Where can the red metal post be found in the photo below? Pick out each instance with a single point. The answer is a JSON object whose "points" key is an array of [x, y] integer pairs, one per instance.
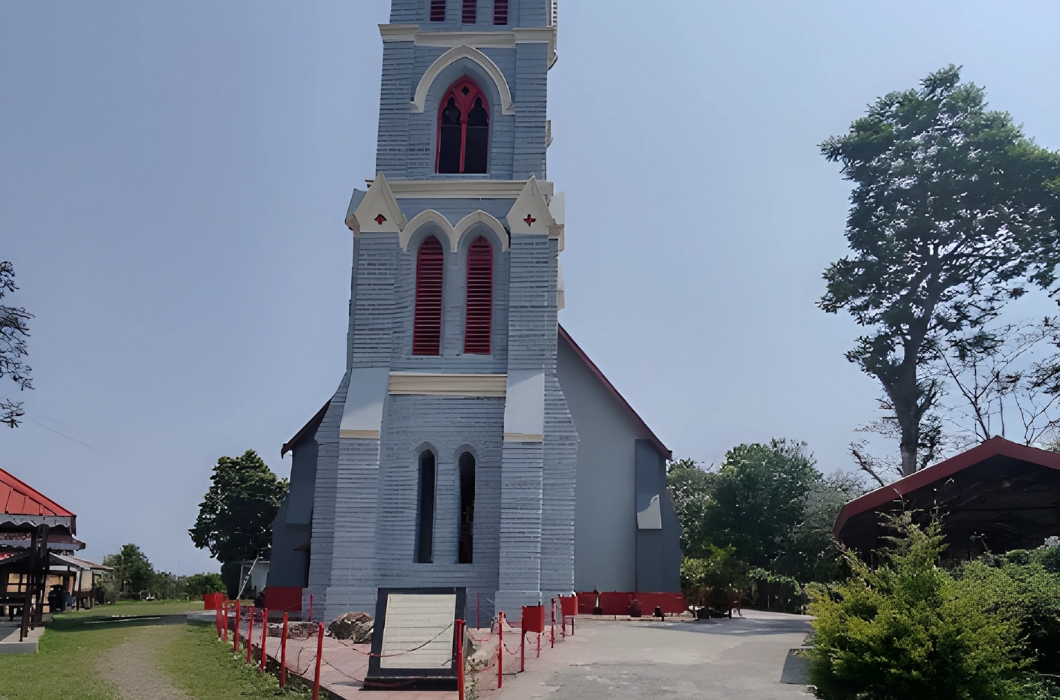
{"points": [[235, 644], [522, 648], [552, 634], [283, 653], [460, 659], [264, 635], [250, 633], [320, 653], [224, 622], [217, 620], [500, 650]]}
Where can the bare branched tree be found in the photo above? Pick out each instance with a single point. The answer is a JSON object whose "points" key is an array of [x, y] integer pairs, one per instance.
{"points": [[1008, 382], [13, 333]]}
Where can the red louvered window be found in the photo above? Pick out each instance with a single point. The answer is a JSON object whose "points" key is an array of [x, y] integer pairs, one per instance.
{"points": [[468, 16], [437, 10], [463, 129], [479, 323], [427, 324], [500, 12]]}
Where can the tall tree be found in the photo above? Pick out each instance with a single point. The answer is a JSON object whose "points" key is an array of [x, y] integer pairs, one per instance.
{"points": [[235, 517], [13, 333], [953, 213], [690, 485], [758, 497]]}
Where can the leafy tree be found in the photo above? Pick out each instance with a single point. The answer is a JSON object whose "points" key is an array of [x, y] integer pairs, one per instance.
{"points": [[690, 485], [715, 579], [13, 334], [235, 517], [198, 585], [910, 629], [953, 213], [132, 571], [812, 553], [758, 498]]}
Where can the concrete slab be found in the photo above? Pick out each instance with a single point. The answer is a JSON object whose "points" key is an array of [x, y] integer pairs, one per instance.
{"points": [[9, 643]]}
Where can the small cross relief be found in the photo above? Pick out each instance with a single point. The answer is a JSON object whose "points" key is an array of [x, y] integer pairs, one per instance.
{"points": [[529, 220], [380, 219]]}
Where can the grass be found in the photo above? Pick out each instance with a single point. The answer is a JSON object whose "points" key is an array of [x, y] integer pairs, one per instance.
{"points": [[207, 669], [70, 650], [65, 665]]}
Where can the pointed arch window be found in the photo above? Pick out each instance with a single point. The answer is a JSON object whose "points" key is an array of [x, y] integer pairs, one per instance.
{"points": [[425, 509], [466, 547], [427, 321], [478, 324], [463, 129]]}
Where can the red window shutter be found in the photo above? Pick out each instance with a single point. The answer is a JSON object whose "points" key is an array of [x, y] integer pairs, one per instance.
{"points": [[427, 324], [469, 15], [479, 323], [437, 10], [500, 12]]}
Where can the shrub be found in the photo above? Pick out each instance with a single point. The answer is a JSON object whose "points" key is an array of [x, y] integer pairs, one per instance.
{"points": [[200, 584], [909, 629], [713, 581]]}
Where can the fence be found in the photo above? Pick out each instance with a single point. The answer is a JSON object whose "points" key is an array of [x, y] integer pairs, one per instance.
{"points": [[541, 628]]}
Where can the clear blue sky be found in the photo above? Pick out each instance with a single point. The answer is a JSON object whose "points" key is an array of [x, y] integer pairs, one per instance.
{"points": [[174, 177]]}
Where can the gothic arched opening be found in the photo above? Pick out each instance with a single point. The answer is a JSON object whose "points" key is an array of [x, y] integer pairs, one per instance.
{"points": [[463, 129], [425, 509], [465, 552]]}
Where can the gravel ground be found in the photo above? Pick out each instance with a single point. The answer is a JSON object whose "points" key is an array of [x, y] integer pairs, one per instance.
{"points": [[134, 666]]}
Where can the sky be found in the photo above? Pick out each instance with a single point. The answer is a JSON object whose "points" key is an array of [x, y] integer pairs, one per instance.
{"points": [[174, 178]]}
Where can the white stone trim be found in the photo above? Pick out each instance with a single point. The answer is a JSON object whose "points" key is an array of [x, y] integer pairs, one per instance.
{"points": [[422, 384], [480, 217], [452, 188], [452, 233], [533, 204], [398, 32], [538, 35], [479, 40], [523, 437], [378, 200], [452, 56], [359, 434]]}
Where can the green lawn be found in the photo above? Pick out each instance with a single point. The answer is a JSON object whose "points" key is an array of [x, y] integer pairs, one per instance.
{"points": [[71, 648]]}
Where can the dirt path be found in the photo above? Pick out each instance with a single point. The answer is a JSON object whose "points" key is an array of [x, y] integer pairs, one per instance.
{"points": [[135, 665]]}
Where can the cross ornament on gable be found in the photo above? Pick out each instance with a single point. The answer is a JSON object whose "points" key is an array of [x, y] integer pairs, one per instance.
{"points": [[380, 219], [529, 220]]}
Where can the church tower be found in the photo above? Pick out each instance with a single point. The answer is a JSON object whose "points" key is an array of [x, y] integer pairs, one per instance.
{"points": [[447, 456]]}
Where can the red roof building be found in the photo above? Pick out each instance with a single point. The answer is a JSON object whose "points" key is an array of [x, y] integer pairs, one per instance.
{"points": [[23, 509], [995, 497]]}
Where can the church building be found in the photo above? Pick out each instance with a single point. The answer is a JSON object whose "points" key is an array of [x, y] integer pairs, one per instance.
{"points": [[471, 442]]}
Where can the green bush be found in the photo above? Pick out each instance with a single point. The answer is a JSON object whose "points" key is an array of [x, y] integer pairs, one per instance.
{"points": [[910, 629], [200, 584], [713, 581]]}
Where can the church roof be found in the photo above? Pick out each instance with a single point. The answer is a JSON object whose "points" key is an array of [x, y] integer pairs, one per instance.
{"points": [[663, 449]]}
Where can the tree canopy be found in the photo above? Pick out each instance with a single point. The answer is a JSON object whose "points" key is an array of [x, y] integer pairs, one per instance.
{"points": [[132, 570], [953, 213], [13, 333], [235, 517]]}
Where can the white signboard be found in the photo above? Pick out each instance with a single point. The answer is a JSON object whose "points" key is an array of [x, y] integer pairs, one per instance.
{"points": [[418, 631]]}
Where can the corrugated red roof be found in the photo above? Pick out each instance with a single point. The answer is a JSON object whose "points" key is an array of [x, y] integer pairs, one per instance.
{"points": [[18, 498], [991, 448]]}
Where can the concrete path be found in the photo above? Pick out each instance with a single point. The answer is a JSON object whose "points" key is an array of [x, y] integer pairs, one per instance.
{"points": [[716, 659]]}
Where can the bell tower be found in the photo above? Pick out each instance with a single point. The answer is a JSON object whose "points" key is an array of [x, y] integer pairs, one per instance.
{"points": [[447, 456]]}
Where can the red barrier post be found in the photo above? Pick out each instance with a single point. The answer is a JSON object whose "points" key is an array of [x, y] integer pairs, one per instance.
{"points": [[235, 644], [539, 645], [250, 634], [460, 659], [500, 650], [522, 650], [320, 653], [217, 620], [264, 635], [552, 633], [283, 653], [224, 622]]}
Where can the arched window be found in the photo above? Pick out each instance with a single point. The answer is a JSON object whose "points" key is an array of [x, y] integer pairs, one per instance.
{"points": [[425, 510], [479, 320], [463, 129], [466, 549], [427, 323]]}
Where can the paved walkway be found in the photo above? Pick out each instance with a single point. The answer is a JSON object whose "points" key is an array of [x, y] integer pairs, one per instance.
{"points": [[608, 660], [717, 659]]}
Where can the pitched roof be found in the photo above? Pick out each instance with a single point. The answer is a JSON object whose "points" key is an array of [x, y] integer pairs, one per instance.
{"points": [[18, 498], [310, 428], [993, 447], [307, 430], [663, 449]]}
